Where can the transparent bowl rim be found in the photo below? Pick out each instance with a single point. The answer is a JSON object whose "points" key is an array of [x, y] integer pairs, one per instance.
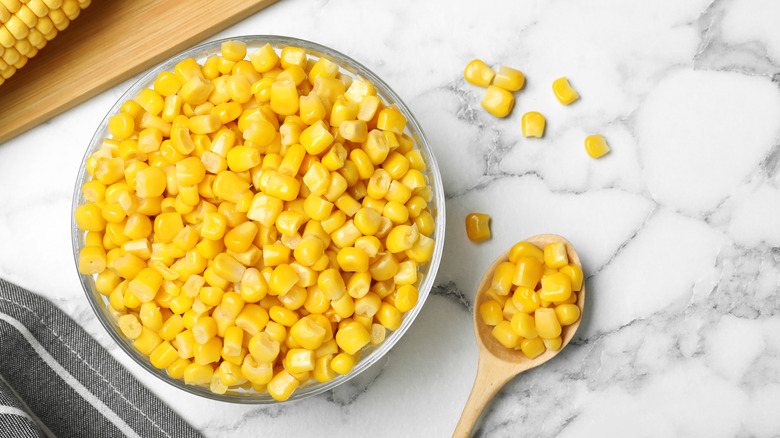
{"points": [[413, 127]]}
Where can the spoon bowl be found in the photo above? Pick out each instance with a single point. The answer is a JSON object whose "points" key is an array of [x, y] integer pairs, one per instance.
{"points": [[497, 363]]}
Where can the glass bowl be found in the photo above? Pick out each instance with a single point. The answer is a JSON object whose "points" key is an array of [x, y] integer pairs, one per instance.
{"points": [[348, 66]]}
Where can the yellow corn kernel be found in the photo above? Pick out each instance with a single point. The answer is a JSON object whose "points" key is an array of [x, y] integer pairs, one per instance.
{"points": [[109, 170], [293, 56], [353, 130], [171, 327], [553, 344], [498, 101], [332, 284], [284, 97], [150, 182], [322, 369], [525, 249], [256, 371], [391, 119], [384, 267], [198, 374], [509, 78], [317, 179], [210, 352], [556, 287], [532, 347], [282, 385], [338, 185], [177, 368], [533, 124], [130, 326], [401, 238], [478, 226], [342, 110], [334, 159], [275, 255], [389, 316], [229, 186], [491, 312], [185, 343], [265, 209], [299, 360], [574, 273], [166, 84], [204, 124], [376, 146], [150, 316], [264, 58], [282, 186], [316, 138], [505, 335], [121, 126], [204, 329], [288, 222], [564, 91], [317, 208], [282, 279], [309, 250], [529, 272], [164, 355], [92, 260], [231, 346], [422, 250], [151, 101], [406, 298], [524, 325], [307, 333], [547, 324], [227, 267], [478, 73], [146, 284], [181, 304], [89, 217], [196, 90], [596, 146], [263, 347], [214, 226], [352, 260], [147, 341], [252, 318], [567, 314], [555, 255], [292, 160], [352, 337], [502, 278], [311, 109], [343, 363], [525, 300]]}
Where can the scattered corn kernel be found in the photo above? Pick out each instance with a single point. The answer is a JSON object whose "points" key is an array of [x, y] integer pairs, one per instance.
{"points": [[596, 146], [478, 73], [533, 124], [498, 101], [478, 226], [564, 91]]}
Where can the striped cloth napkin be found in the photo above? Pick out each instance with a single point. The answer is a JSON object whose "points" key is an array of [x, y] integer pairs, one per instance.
{"points": [[56, 380]]}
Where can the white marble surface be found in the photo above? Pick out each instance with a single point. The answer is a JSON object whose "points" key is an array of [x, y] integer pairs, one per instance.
{"points": [[677, 226]]}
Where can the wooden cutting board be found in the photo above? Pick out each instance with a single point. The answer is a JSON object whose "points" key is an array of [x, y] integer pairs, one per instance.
{"points": [[112, 40]]}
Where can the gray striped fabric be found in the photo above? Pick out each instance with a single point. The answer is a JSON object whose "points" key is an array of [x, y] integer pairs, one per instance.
{"points": [[56, 380]]}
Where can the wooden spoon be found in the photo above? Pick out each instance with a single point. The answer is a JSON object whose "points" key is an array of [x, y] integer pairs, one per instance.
{"points": [[498, 364]]}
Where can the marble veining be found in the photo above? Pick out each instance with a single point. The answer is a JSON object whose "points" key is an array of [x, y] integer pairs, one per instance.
{"points": [[677, 227]]}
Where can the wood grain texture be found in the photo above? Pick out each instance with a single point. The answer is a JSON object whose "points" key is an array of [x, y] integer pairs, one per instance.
{"points": [[112, 40]]}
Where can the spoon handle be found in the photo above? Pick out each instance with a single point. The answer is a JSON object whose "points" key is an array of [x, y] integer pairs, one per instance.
{"points": [[492, 374]]}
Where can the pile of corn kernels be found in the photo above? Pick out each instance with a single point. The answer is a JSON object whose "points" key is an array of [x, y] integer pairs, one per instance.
{"points": [[256, 223]]}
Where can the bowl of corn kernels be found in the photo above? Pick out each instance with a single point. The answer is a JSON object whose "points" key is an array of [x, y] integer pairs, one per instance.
{"points": [[258, 219]]}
